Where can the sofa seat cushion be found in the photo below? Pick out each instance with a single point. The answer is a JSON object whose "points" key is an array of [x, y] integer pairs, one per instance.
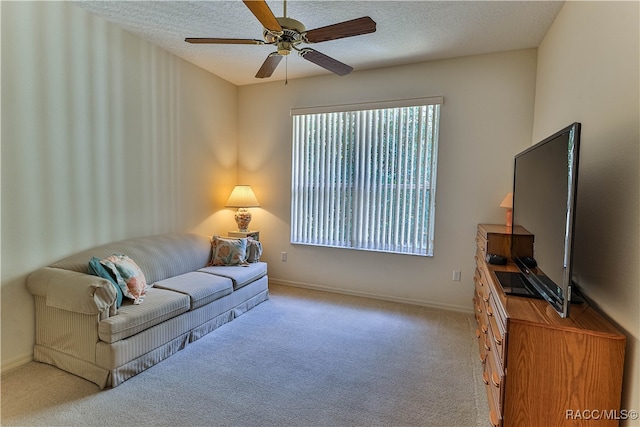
{"points": [[240, 275], [159, 305], [201, 288]]}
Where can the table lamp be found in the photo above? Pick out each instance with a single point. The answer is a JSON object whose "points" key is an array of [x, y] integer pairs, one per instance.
{"points": [[507, 203], [242, 197]]}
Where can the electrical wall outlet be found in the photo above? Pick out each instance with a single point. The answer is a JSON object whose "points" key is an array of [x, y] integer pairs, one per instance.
{"points": [[283, 256], [456, 275]]}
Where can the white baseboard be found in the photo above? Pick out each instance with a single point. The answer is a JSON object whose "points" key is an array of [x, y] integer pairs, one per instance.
{"points": [[449, 307], [16, 362]]}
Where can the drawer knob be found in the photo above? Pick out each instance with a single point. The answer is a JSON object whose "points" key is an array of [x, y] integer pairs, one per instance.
{"points": [[495, 379]]}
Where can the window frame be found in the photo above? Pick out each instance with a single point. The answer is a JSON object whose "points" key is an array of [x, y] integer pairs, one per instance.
{"points": [[430, 165]]}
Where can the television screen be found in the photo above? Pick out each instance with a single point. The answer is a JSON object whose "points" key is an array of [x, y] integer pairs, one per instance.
{"points": [[544, 194]]}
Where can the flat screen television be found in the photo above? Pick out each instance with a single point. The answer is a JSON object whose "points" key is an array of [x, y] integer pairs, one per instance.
{"points": [[544, 203]]}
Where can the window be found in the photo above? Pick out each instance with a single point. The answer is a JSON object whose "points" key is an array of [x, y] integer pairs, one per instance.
{"points": [[364, 176]]}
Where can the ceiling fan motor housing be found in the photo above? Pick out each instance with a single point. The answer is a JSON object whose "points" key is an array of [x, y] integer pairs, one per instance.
{"points": [[291, 35]]}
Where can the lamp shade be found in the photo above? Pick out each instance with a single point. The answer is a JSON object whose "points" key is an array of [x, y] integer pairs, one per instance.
{"points": [[242, 196], [507, 202]]}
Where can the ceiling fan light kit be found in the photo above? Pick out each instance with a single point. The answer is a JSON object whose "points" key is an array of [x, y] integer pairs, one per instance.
{"points": [[286, 34]]}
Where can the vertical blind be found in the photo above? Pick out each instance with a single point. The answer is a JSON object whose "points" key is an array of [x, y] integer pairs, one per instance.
{"points": [[365, 178]]}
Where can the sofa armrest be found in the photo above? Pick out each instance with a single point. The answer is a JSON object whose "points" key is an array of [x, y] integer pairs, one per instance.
{"points": [[73, 291]]}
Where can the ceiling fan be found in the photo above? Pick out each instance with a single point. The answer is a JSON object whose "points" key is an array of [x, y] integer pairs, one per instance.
{"points": [[286, 34]]}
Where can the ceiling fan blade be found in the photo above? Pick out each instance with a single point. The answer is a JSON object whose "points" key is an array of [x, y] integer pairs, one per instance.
{"points": [[261, 10], [269, 65], [355, 27], [206, 40], [326, 62]]}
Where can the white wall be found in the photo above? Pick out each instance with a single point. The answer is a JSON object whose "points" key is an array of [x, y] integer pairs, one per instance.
{"points": [[588, 71], [486, 118], [104, 137]]}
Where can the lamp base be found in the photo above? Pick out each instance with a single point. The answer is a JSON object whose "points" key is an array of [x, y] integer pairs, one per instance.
{"points": [[509, 218], [243, 218]]}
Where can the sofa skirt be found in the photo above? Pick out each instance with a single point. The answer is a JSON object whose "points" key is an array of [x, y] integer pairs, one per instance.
{"points": [[130, 369], [243, 301], [66, 362]]}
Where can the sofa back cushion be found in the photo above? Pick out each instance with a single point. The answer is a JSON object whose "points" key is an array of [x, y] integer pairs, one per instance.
{"points": [[159, 257]]}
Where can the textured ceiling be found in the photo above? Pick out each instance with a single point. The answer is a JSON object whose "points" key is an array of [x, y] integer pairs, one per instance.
{"points": [[407, 31]]}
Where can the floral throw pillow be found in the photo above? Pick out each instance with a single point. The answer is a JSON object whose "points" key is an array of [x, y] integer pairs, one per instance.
{"points": [[228, 251], [128, 275]]}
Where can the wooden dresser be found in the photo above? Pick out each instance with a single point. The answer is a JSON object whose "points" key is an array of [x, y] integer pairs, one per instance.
{"points": [[540, 369]]}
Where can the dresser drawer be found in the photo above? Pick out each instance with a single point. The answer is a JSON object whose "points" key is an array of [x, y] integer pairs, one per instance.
{"points": [[481, 242], [482, 345], [496, 341], [496, 330], [496, 379], [482, 287], [495, 412], [480, 258]]}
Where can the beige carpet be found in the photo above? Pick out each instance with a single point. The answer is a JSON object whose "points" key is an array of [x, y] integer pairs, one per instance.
{"points": [[303, 358]]}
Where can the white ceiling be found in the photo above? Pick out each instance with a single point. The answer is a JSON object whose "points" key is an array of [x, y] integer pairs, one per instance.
{"points": [[407, 31]]}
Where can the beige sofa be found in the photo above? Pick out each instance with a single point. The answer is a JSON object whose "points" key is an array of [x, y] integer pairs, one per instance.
{"points": [[80, 330]]}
